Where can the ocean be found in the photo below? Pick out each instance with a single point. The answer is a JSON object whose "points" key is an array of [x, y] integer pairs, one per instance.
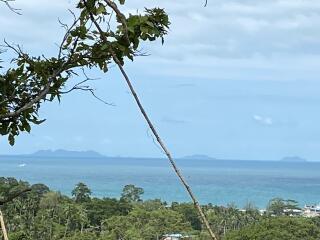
{"points": [[219, 182]]}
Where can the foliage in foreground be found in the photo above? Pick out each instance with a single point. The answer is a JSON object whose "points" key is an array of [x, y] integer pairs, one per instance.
{"points": [[47, 215], [99, 35]]}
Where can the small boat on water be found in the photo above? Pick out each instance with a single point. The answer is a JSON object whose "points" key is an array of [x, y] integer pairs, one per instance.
{"points": [[22, 165]]}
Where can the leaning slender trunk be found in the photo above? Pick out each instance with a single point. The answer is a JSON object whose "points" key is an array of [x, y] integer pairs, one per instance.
{"points": [[3, 227], [150, 124]]}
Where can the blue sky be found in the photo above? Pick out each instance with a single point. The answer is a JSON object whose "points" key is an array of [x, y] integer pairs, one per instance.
{"points": [[236, 80]]}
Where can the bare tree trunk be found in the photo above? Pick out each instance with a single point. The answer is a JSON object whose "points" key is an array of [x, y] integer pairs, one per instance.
{"points": [[3, 227], [154, 131], [164, 148]]}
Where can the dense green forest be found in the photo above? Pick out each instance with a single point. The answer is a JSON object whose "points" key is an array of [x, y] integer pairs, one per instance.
{"points": [[40, 213]]}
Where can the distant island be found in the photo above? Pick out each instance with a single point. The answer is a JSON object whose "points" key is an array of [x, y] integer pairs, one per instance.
{"points": [[199, 157], [89, 154], [62, 153], [67, 154], [293, 159]]}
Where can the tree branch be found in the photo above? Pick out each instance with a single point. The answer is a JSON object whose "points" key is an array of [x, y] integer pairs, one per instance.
{"points": [[121, 17], [13, 196], [68, 30], [38, 98]]}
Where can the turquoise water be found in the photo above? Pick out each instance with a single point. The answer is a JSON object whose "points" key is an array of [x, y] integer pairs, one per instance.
{"points": [[215, 181]]}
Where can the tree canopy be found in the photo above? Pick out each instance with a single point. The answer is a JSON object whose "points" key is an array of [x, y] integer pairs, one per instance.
{"points": [[279, 228], [132, 193], [81, 193], [279, 206]]}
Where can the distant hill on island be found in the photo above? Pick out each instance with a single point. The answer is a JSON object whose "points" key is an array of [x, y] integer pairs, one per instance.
{"points": [[293, 159], [67, 154], [199, 157]]}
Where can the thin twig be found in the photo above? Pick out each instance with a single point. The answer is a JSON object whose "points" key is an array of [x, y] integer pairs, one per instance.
{"points": [[150, 135], [15, 10], [16, 49], [108, 22], [80, 86], [68, 29]]}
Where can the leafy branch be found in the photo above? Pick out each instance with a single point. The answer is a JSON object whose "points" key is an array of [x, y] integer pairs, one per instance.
{"points": [[31, 81]]}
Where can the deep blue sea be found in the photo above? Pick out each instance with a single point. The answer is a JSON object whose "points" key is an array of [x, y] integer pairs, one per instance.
{"points": [[219, 182]]}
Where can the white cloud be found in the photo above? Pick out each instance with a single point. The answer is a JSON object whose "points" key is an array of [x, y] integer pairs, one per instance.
{"points": [[263, 120], [233, 39]]}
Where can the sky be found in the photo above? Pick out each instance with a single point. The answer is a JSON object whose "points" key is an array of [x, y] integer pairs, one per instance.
{"points": [[233, 80]]}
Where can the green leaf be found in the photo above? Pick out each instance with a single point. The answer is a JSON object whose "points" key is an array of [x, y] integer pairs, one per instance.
{"points": [[150, 24], [11, 139], [104, 46], [36, 121], [105, 68], [101, 9], [27, 127], [121, 2]]}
